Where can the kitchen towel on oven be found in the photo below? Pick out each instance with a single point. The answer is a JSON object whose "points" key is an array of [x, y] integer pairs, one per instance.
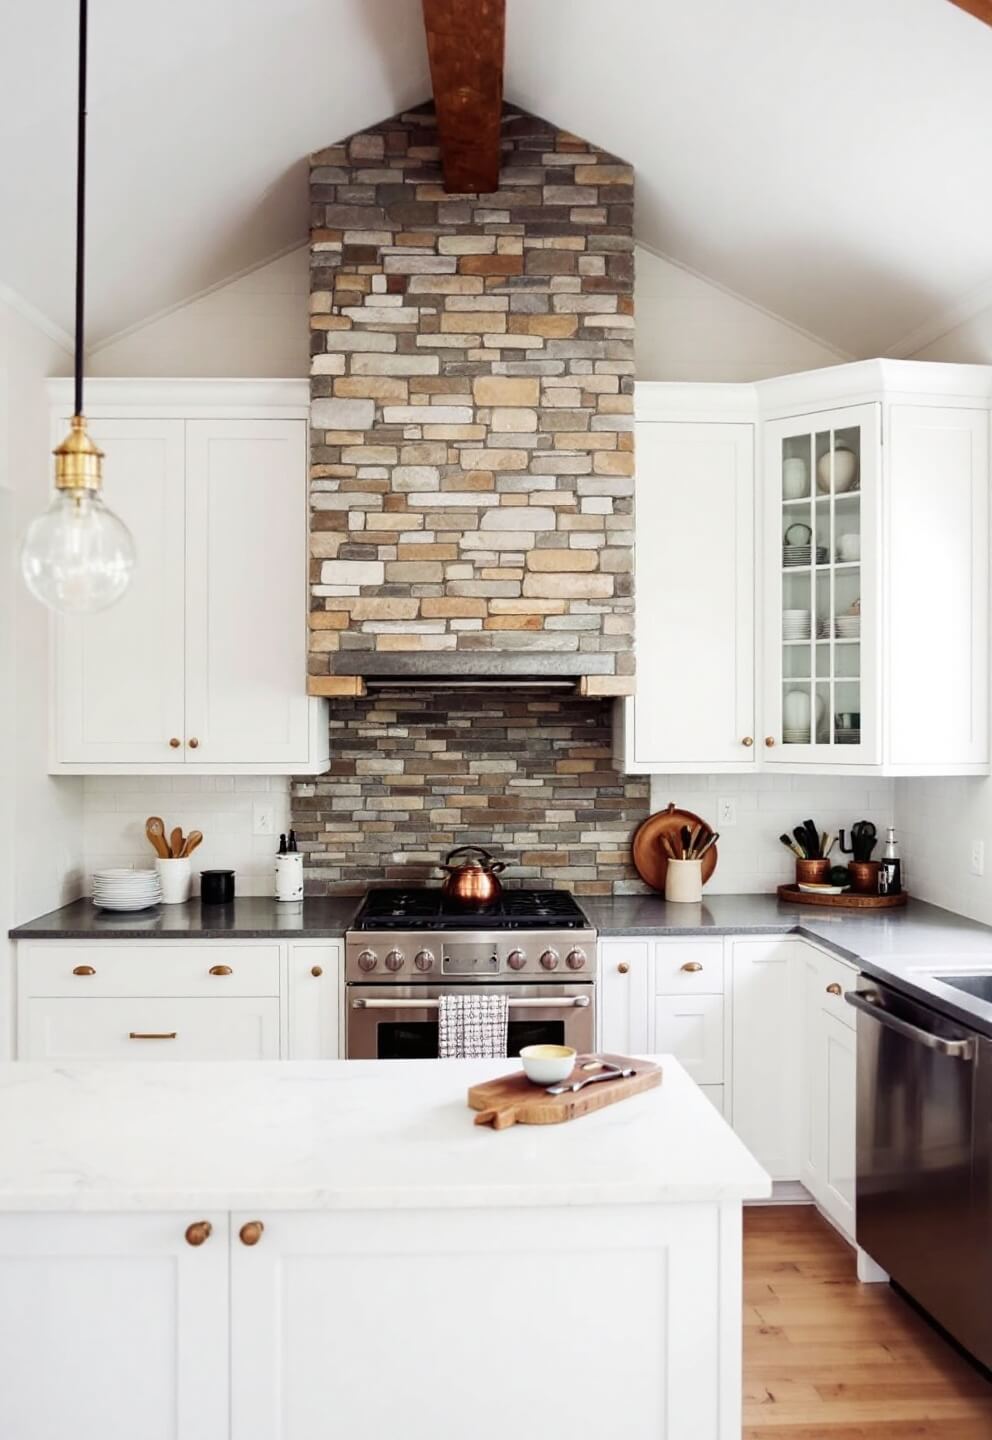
{"points": [[472, 1027]]}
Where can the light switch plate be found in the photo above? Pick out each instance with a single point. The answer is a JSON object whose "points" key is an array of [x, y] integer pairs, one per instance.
{"points": [[978, 857], [726, 813], [263, 818]]}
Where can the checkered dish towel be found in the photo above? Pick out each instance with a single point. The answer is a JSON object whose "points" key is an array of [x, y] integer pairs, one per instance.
{"points": [[472, 1027]]}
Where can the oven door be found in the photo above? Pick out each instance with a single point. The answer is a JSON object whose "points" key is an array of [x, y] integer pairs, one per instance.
{"points": [[399, 1022]]}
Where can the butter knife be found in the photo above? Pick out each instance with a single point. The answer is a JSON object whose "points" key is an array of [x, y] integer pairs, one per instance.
{"points": [[576, 1085]]}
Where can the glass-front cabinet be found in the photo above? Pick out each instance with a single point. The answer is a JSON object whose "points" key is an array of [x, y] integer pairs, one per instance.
{"points": [[822, 597]]}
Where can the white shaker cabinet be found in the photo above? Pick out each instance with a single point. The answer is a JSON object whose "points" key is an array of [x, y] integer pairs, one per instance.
{"points": [[624, 988], [829, 1077], [765, 1106], [131, 1310], [202, 665]]}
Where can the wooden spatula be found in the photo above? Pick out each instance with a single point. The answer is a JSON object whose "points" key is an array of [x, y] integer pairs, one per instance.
{"points": [[155, 830], [176, 842], [192, 840]]}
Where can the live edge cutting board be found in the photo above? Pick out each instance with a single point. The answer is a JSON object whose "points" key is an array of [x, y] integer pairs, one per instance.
{"points": [[514, 1100]]}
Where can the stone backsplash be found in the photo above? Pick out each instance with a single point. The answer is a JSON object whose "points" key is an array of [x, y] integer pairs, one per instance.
{"points": [[412, 776], [472, 396]]}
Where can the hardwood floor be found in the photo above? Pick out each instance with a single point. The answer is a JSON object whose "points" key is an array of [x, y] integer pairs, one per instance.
{"points": [[828, 1359]]}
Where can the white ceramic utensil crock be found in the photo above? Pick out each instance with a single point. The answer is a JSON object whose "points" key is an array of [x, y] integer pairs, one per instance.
{"points": [[176, 878], [684, 881]]}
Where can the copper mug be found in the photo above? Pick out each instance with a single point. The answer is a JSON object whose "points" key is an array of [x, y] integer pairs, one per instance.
{"points": [[812, 872], [864, 876]]}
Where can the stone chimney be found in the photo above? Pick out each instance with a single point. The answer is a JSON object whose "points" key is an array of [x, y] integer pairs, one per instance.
{"points": [[472, 411]]}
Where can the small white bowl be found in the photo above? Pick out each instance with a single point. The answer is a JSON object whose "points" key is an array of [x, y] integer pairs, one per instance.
{"points": [[547, 1064]]}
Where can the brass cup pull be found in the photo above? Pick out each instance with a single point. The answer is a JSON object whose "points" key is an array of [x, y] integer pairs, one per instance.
{"points": [[193, 744], [834, 989], [316, 971], [748, 741], [251, 1232], [83, 970], [198, 1232], [151, 1034], [175, 742], [221, 970], [691, 967], [769, 741], [623, 967]]}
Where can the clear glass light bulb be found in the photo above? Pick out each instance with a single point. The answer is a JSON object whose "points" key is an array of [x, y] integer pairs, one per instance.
{"points": [[78, 556]]}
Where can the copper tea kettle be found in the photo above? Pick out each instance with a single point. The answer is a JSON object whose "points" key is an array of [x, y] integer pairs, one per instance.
{"points": [[475, 879]]}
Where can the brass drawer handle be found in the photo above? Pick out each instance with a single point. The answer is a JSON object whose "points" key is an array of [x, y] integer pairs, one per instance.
{"points": [[748, 741], [691, 967], [251, 1232], [221, 970], [769, 741], [623, 967], [83, 970], [199, 1231], [175, 742], [152, 1034], [316, 971], [193, 743], [834, 989]]}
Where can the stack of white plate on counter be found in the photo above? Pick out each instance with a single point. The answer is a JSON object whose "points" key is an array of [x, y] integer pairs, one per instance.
{"points": [[795, 624], [848, 627], [126, 889]]}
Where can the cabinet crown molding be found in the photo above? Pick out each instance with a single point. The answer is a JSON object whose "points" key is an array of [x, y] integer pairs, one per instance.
{"points": [[187, 398]]}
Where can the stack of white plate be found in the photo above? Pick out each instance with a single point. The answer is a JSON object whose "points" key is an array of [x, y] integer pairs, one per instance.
{"points": [[126, 889], [795, 737], [793, 555], [822, 629], [795, 624], [848, 627]]}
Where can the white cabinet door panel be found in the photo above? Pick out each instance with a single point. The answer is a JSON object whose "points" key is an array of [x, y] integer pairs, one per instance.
{"points": [[690, 1027], [119, 673], [150, 1029], [837, 1058], [695, 595], [314, 980], [624, 1017], [767, 1016], [112, 1327], [245, 593]]}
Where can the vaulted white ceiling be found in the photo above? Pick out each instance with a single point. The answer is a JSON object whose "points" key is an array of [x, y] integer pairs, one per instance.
{"points": [[827, 161]]}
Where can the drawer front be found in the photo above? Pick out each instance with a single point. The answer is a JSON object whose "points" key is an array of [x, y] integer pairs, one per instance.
{"points": [[688, 967], [690, 1027], [156, 1029], [210, 970], [837, 975]]}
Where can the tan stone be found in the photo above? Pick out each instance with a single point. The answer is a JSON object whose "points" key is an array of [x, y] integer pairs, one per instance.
{"points": [[325, 544], [454, 432], [329, 322], [461, 322], [413, 642], [514, 420], [423, 454], [513, 622], [613, 463], [472, 459], [586, 440], [604, 175], [427, 552], [328, 620], [445, 285], [414, 571], [371, 387], [453, 608], [370, 455], [506, 390], [550, 560], [324, 642], [395, 520], [473, 480], [384, 608], [615, 405], [553, 327], [569, 586], [527, 607]]}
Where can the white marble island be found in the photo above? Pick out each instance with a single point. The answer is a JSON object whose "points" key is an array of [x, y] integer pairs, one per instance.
{"points": [[288, 1251]]}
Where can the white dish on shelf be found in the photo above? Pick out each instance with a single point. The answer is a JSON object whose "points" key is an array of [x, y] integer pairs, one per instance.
{"points": [[809, 889]]}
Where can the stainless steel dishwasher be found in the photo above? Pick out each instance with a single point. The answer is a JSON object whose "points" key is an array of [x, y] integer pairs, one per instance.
{"points": [[924, 1146]]}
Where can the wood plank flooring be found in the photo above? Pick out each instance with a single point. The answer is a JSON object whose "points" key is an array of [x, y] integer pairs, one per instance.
{"points": [[828, 1359]]}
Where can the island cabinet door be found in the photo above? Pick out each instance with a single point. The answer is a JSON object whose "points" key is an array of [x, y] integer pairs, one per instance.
{"points": [[113, 1327]]}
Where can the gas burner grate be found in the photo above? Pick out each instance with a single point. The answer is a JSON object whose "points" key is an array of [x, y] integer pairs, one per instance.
{"points": [[425, 907]]}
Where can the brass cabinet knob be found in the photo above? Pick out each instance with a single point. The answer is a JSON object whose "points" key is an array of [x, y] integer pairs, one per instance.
{"points": [[251, 1232], [83, 970], [198, 1232], [193, 743], [769, 741], [692, 967], [834, 989], [316, 971], [175, 742], [748, 741], [623, 967], [221, 970]]}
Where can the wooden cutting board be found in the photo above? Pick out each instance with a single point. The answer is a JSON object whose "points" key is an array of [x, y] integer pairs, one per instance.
{"points": [[514, 1100], [648, 854]]}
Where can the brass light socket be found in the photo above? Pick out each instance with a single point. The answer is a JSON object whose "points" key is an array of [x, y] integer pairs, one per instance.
{"points": [[78, 460]]}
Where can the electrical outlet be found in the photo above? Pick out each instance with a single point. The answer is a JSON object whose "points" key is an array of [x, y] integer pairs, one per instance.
{"points": [[978, 857], [263, 818], [726, 813]]}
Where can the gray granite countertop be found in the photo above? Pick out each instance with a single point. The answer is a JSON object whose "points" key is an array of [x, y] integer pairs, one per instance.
{"points": [[249, 917]]}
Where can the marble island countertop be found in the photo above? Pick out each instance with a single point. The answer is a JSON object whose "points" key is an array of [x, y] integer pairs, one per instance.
{"points": [[342, 1135]]}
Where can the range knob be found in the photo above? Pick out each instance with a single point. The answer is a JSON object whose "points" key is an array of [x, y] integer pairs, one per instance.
{"points": [[516, 959], [424, 960], [549, 960], [394, 960], [368, 960], [575, 959]]}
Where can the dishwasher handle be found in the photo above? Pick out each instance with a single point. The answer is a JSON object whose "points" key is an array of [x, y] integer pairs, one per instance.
{"points": [[867, 1003]]}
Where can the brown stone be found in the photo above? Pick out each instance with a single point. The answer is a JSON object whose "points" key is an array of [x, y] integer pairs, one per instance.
{"points": [[553, 327], [506, 390], [491, 265]]}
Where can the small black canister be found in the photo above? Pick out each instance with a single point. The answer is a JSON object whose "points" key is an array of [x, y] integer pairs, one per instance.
{"points": [[216, 887]]}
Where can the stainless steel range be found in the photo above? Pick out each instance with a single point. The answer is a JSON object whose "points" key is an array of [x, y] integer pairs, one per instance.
{"points": [[409, 946]]}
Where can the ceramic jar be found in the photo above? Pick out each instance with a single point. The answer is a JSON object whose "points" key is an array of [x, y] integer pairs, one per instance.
{"points": [[845, 469], [795, 478], [684, 881], [176, 879]]}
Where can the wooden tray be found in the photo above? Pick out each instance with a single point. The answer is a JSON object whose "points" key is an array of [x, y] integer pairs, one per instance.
{"points": [[850, 901], [513, 1100], [648, 854]]}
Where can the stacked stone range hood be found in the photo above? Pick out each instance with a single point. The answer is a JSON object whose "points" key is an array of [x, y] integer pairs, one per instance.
{"points": [[472, 429]]}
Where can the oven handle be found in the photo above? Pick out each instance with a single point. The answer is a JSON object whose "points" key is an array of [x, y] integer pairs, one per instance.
{"points": [[867, 1003], [545, 1003]]}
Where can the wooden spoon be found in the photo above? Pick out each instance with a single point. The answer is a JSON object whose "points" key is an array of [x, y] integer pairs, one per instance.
{"points": [[176, 842], [192, 840], [155, 830]]}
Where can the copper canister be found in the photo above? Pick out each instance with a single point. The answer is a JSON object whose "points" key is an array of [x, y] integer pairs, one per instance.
{"points": [[812, 872], [864, 876]]}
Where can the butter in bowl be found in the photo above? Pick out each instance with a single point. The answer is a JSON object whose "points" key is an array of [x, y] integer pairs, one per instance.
{"points": [[547, 1064]]}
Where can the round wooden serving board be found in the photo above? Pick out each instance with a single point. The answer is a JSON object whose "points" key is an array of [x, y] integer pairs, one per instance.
{"points": [[648, 853], [850, 901]]}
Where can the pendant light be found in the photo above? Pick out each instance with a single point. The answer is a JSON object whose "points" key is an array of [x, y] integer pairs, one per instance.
{"points": [[78, 556]]}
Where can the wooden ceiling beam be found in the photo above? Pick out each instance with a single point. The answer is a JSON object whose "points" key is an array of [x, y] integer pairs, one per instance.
{"points": [[465, 43], [981, 9]]}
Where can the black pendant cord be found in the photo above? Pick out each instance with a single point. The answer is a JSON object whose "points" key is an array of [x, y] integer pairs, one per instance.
{"points": [[80, 206]]}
